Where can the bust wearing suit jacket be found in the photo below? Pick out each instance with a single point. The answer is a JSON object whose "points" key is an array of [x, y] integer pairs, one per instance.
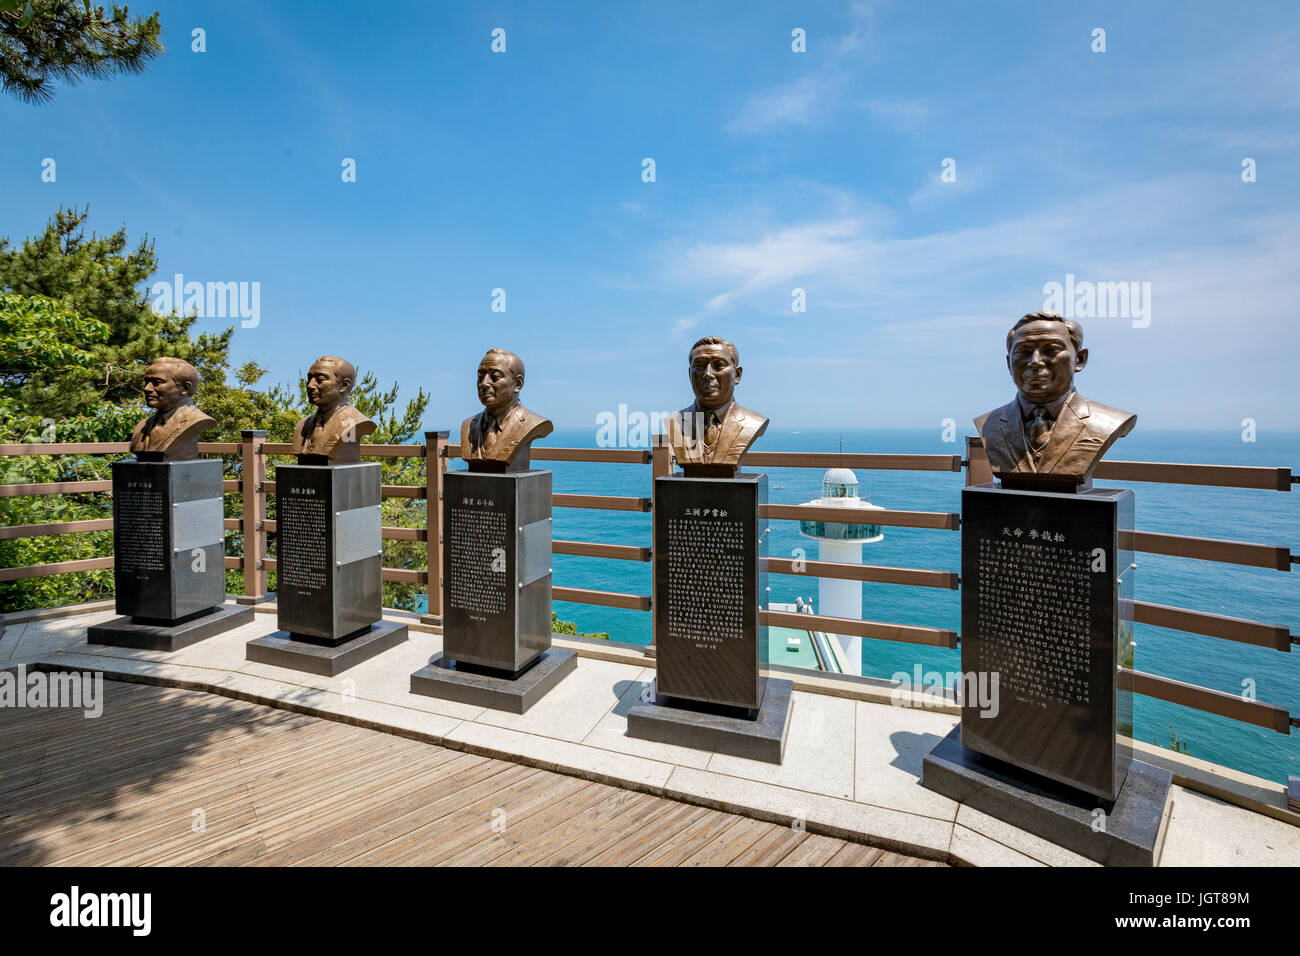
{"points": [[710, 437], [499, 438], [1049, 436], [172, 432], [335, 430]]}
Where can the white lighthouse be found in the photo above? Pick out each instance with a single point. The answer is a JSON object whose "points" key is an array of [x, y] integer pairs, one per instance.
{"points": [[842, 542]]}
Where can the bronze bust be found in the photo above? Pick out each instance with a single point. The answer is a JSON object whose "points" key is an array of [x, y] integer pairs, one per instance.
{"points": [[1049, 437], [172, 432], [332, 435], [710, 437], [498, 438]]}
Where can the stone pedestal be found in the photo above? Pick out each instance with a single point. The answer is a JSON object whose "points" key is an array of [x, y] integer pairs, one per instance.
{"points": [[169, 548], [708, 590], [329, 558], [1042, 579], [1126, 831], [496, 593], [1042, 638], [756, 735], [445, 678]]}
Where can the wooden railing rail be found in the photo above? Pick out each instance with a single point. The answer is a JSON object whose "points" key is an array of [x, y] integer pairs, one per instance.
{"points": [[253, 526]]}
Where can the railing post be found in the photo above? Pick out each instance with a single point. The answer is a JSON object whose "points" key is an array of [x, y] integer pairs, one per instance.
{"points": [[978, 469], [254, 522], [660, 461], [435, 466]]}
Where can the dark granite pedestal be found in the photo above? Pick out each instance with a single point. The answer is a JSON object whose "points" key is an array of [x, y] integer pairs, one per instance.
{"points": [[329, 556], [161, 636], [479, 687], [496, 632], [282, 649], [756, 736], [1126, 831], [169, 569]]}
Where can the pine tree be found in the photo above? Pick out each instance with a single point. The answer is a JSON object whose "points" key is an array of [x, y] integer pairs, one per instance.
{"points": [[42, 41], [76, 334], [100, 278]]}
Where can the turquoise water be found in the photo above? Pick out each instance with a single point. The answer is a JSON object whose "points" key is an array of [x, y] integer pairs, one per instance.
{"points": [[1266, 517]]}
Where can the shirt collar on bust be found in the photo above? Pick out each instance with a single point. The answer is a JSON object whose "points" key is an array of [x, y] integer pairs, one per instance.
{"points": [[712, 415], [489, 419], [1053, 408]]}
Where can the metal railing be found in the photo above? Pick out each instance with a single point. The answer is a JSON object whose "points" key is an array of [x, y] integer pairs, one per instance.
{"points": [[254, 527]]}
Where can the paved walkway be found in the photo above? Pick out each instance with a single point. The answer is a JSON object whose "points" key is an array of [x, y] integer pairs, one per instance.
{"points": [[851, 771], [179, 777]]}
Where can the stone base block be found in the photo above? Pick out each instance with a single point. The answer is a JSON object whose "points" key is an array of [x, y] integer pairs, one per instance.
{"points": [[762, 737], [124, 632], [281, 650], [443, 679], [1130, 834]]}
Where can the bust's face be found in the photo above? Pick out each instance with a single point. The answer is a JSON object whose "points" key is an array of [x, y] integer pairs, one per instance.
{"points": [[325, 388], [713, 375], [1043, 361], [498, 385], [162, 391]]}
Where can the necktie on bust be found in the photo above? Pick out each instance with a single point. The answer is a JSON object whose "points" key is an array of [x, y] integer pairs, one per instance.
{"points": [[714, 428], [1040, 428]]}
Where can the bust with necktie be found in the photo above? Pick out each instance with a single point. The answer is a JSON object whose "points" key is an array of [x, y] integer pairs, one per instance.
{"points": [[499, 437], [332, 434], [172, 432], [1049, 437], [710, 437]]}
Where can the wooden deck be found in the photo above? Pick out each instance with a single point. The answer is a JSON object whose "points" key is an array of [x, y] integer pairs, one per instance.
{"points": [[174, 777]]}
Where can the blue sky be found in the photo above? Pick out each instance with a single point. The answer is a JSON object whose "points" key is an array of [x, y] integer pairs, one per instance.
{"points": [[775, 170]]}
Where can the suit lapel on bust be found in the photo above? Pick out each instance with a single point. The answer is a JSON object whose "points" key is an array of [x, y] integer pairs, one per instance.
{"points": [[692, 443], [513, 431], [476, 433], [1067, 429], [1010, 437], [732, 426]]}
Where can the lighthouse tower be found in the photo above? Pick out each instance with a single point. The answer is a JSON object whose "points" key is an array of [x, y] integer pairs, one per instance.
{"points": [[842, 542]]}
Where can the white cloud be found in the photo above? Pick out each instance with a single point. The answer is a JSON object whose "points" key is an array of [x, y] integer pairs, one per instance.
{"points": [[800, 103]]}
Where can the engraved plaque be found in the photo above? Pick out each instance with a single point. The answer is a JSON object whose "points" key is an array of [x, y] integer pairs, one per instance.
{"points": [[1041, 632], [140, 523], [357, 534], [707, 588], [196, 524]]}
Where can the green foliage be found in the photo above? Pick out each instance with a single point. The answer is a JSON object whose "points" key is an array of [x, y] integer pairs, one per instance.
{"points": [[76, 334], [46, 40], [568, 627], [46, 349], [105, 280]]}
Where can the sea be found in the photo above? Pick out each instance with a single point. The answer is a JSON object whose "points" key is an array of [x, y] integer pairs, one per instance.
{"points": [[1265, 517]]}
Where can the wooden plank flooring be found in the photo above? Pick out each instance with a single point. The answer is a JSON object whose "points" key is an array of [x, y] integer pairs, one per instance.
{"points": [[174, 777]]}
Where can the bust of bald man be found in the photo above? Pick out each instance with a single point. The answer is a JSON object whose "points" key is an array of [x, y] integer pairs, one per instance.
{"points": [[172, 432], [332, 434], [499, 438]]}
